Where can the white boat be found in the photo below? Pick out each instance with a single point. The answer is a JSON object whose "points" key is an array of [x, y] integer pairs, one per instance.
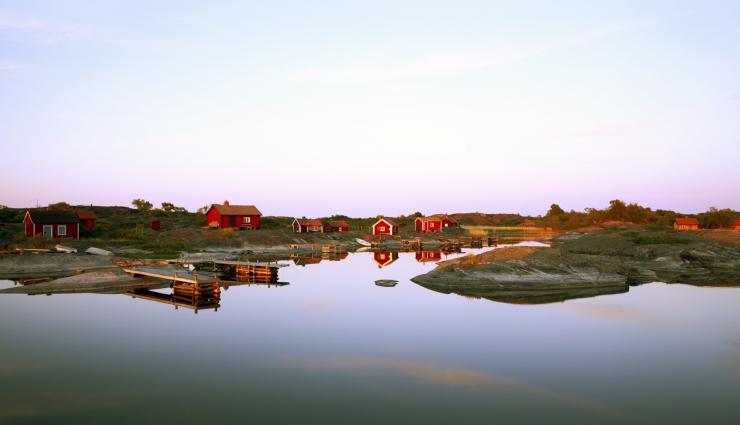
{"points": [[97, 251], [65, 249], [363, 242]]}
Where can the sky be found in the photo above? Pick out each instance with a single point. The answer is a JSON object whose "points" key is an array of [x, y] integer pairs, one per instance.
{"points": [[365, 108]]}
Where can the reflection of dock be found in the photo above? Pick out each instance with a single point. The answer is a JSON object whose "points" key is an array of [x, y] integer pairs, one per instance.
{"points": [[178, 300]]}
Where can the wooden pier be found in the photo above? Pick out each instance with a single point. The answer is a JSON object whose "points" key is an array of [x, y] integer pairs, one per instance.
{"points": [[177, 300], [188, 288]]}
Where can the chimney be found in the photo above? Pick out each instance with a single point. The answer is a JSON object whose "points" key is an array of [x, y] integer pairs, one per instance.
{"points": [[226, 203]]}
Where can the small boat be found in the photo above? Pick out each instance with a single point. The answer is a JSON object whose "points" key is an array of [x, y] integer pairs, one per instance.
{"points": [[363, 242], [65, 249], [97, 251]]}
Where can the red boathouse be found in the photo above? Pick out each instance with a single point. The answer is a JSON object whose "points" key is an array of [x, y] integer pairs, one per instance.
{"points": [[51, 224], [87, 219], [434, 223], [384, 227], [336, 226], [221, 216]]}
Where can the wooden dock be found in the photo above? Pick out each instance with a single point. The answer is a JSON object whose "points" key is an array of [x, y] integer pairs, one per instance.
{"points": [[189, 288]]}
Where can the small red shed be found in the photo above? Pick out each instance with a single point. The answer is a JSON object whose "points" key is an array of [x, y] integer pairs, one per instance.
{"points": [[384, 227], [155, 225], [448, 221], [336, 226], [307, 225], [87, 219], [737, 224], [51, 224], [221, 216]]}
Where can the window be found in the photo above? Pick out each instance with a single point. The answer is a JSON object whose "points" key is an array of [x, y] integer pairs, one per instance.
{"points": [[381, 228], [246, 220], [62, 230]]}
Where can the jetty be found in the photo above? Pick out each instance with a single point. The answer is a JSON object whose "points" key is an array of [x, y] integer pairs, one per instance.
{"points": [[188, 288]]}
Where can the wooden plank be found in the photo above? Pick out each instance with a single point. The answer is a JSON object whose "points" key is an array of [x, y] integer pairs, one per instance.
{"points": [[173, 275]]}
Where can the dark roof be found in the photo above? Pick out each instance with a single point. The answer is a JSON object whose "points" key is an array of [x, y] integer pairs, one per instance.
{"points": [[338, 223], [687, 221], [236, 209], [309, 222], [85, 214], [53, 217]]}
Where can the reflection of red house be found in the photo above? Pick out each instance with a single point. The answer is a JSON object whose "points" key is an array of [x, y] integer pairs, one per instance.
{"points": [[686, 223], [304, 261], [336, 226], [51, 224], [384, 258], [239, 216], [307, 225], [384, 227], [424, 256], [87, 219]]}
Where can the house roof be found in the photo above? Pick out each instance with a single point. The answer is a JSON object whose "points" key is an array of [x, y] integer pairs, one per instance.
{"points": [[438, 217], [687, 221], [392, 223], [236, 209], [338, 223], [53, 217], [85, 214], [309, 222]]}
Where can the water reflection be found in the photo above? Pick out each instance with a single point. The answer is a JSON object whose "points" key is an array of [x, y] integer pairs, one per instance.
{"points": [[385, 258]]}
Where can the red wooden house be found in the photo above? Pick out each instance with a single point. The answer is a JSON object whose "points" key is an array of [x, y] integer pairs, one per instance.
{"points": [[384, 227], [87, 219], [307, 225], [448, 221], [384, 258], [336, 226], [428, 224], [686, 223], [424, 256], [51, 224], [221, 216]]}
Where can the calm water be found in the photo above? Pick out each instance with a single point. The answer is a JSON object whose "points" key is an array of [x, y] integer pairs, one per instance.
{"points": [[332, 347]]}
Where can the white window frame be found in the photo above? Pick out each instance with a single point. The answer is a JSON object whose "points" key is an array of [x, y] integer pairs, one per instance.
{"points": [[61, 230], [381, 228], [247, 220]]}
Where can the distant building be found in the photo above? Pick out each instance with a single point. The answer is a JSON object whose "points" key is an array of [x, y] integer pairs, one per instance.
{"points": [[384, 258], [51, 224], [686, 223], [87, 219], [384, 227], [336, 226], [307, 225], [221, 216]]}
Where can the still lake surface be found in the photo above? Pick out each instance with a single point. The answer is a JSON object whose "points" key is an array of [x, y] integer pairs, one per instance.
{"points": [[332, 347]]}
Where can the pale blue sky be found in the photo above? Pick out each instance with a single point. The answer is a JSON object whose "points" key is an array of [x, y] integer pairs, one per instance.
{"points": [[371, 107]]}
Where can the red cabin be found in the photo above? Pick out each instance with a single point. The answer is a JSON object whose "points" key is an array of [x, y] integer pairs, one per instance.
{"points": [[737, 224], [51, 224], [336, 226], [238, 216], [155, 225], [384, 227], [434, 223], [425, 256], [307, 225], [384, 258], [686, 223], [428, 224], [87, 219]]}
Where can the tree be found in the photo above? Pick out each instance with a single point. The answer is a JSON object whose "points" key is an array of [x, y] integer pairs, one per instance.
{"points": [[170, 207], [555, 210], [617, 210], [716, 218], [203, 210], [59, 206], [141, 204]]}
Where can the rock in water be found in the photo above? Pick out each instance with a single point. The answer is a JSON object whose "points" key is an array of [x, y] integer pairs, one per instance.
{"points": [[386, 283]]}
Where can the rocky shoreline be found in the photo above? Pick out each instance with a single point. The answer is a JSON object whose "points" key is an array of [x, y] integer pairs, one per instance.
{"points": [[606, 261]]}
